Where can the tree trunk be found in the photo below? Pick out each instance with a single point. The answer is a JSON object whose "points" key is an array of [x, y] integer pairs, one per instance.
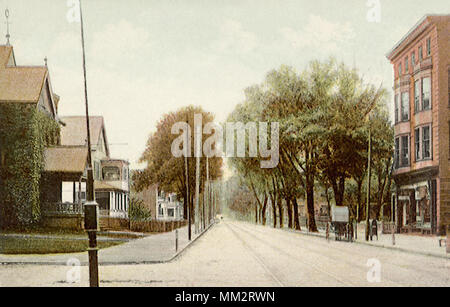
{"points": [[358, 200], [263, 211], [296, 220], [280, 212], [310, 204], [274, 210], [289, 209]]}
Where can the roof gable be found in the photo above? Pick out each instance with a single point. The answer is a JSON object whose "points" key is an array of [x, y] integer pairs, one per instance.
{"points": [[74, 133], [22, 84]]}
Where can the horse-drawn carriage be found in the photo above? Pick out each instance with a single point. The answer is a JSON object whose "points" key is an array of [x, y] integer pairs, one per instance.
{"points": [[340, 223]]}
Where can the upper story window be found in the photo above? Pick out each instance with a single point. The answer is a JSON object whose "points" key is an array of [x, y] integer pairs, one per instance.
{"points": [[405, 151], [405, 107], [413, 59], [396, 108], [111, 173], [397, 153], [125, 174], [417, 96], [429, 47], [426, 93], [420, 53], [417, 143], [406, 65], [426, 142], [422, 143], [402, 151], [399, 70]]}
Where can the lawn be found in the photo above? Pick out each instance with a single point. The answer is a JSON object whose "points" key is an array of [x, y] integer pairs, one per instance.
{"points": [[54, 245]]}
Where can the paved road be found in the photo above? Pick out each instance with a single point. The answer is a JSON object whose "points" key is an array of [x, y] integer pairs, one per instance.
{"points": [[239, 254]]}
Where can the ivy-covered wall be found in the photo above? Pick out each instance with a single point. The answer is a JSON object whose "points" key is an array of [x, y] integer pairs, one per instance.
{"points": [[24, 134]]}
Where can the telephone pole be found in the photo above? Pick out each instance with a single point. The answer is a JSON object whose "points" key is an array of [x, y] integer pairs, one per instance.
{"points": [[197, 177], [186, 163], [369, 175], [91, 207]]}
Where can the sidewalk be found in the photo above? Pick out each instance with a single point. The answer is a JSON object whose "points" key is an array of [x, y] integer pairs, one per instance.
{"points": [[415, 244], [157, 248]]}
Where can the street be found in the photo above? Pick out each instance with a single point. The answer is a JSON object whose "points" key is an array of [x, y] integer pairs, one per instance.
{"points": [[236, 254]]}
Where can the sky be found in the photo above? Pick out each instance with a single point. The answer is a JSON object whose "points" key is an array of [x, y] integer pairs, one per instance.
{"points": [[146, 58]]}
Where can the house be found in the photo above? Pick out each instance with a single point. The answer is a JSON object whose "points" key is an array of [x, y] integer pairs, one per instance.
{"points": [[25, 94], [111, 176], [63, 181], [169, 208], [421, 62], [162, 206]]}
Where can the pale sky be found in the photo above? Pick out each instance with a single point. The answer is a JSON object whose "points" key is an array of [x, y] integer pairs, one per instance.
{"points": [[149, 57]]}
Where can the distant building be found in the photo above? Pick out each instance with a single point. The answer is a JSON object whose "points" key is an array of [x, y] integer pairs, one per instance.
{"points": [[163, 206], [421, 62]]}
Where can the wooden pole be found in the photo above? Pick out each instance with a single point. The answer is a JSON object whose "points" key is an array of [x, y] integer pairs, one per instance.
{"points": [[369, 175], [186, 163], [90, 195]]}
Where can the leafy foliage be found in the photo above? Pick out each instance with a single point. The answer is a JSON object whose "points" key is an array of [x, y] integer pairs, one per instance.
{"points": [[324, 121], [24, 134], [168, 171], [138, 211]]}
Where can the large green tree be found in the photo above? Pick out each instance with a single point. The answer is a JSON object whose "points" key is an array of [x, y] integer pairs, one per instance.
{"points": [[168, 171]]}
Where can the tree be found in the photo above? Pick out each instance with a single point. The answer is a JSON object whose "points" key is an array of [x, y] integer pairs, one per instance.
{"points": [[168, 171], [322, 114]]}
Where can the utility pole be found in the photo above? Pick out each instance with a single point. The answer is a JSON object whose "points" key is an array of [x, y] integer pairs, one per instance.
{"points": [[186, 163], [197, 178], [208, 198], [369, 175], [91, 207]]}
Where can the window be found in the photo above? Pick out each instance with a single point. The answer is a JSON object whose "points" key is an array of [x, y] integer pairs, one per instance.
{"points": [[396, 108], [406, 65], [417, 143], [429, 47], [97, 170], [405, 106], [160, 210], [405, 151], [420, 53], [413, 59], [400, 69], [426, 142], [171, 212], [426, 93], [111, 173], [417, 96], [125, 174], [397, 153]]}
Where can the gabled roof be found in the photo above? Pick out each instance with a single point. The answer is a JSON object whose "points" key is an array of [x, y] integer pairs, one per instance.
{"points": [[5, 53], [74, 133], [20, 83], [65, 159]]}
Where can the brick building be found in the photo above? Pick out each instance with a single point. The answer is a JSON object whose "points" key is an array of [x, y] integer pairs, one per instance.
{"points": [[421, 62]]}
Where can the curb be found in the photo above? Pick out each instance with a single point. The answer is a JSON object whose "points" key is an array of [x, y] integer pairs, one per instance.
{"points": [[399, 249], [111, 263]]}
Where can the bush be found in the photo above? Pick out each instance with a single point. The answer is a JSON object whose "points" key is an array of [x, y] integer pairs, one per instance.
{"points": [[138, 211]]}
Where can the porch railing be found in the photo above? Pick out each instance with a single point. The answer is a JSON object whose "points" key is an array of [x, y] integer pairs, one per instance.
{"points": [[62, 208]]}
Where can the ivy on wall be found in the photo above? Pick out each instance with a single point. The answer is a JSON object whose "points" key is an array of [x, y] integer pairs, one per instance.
{"points": [[25, 132]]}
